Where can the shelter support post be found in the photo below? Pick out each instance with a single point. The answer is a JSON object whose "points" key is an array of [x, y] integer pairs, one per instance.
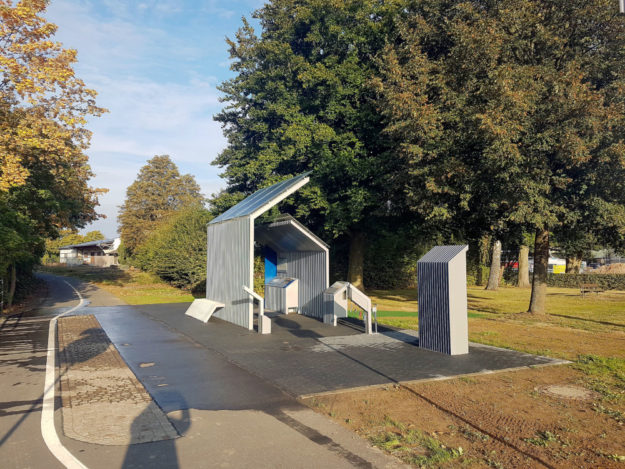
{"points": [[264, 323]]}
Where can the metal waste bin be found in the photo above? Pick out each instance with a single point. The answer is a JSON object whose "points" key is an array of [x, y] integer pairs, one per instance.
{"points": [[335, 302], [282, 295]]}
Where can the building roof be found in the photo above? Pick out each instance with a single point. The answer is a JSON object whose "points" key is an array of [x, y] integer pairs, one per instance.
{"points": [[263, 199], [287, 234], [98, 243], [443, 254]]}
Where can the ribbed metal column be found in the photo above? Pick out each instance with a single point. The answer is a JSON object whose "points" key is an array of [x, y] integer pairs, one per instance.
{"points": [[442, 300]]}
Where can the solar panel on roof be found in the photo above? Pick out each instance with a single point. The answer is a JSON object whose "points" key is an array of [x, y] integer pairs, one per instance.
{"points": [[260, 198]]}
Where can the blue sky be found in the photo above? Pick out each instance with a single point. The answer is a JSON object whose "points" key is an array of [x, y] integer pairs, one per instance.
{"points": [[155, 65]]}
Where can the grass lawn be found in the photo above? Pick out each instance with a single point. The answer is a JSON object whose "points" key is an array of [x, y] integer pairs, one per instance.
{"points": [[130, 285], [505, 419], [499, 318]]}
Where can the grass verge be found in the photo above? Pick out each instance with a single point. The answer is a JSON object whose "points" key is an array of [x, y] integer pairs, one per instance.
{"points": [[130, 285]]}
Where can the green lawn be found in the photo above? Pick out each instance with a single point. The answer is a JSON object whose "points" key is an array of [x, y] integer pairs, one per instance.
{"points": [[130, 285], [565, 307]]}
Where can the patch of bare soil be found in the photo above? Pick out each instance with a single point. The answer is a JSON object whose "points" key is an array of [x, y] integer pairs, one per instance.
{"points": [[504, 420], [548, 339]]}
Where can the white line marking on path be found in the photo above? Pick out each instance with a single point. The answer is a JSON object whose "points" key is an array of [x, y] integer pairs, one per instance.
{"points": [[48, 431]]}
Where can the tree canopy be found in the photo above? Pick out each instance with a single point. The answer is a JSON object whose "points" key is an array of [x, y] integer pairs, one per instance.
{"points": [[158, 192], [509, 115], [301, 99], [43, 105], [44, 173], [176, 250]]}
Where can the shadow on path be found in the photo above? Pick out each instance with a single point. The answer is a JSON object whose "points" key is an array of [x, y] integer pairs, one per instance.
{"points": [[160, 453]]}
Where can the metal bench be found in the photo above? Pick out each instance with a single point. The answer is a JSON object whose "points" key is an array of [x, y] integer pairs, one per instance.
{"points": [[590, 288]]}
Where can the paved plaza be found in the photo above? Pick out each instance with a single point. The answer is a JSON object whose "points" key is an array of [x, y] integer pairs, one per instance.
{"points": [[147, 386]]}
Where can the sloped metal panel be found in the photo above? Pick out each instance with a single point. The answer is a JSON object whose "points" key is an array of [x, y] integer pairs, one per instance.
{"points": [[100, 243], [442, 284], [310, 268], [228, 269], [443, 253], [288, 236], [260, 198]]}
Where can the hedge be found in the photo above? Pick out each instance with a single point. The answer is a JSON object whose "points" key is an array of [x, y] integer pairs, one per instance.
{"points": [[606, 281]]}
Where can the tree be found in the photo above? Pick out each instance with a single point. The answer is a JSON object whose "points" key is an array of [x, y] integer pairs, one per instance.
{"points": [[158, 192], [43, 105], [495, 267], [523, 280], [44, 173], [509, 116], [176, 250], [301, 99]]}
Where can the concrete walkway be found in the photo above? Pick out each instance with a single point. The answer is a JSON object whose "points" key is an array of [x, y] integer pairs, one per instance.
{"points": [[103, 402], [305, 357], [223, 415]]}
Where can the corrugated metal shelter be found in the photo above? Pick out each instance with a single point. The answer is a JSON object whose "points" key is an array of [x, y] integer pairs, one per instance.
{"points": [[291, 249], [442, 284]]}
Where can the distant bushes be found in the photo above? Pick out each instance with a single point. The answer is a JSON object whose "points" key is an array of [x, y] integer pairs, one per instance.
{"points": [[606, 281], [176, 250]]}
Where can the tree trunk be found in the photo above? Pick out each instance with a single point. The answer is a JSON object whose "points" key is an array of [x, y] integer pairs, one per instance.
{"points": [[523, 280], [356, 260], [495, 266], [12, 285], [480, 278], [573, 265], [541, 264]]}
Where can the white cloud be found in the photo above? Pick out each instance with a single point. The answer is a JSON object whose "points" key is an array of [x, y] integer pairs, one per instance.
{"points": [[148, 118], [154, 83]]}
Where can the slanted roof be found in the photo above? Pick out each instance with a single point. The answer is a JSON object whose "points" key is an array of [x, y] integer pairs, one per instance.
{"points": [[443, 254], [98, 243], [263, 199], [287, 234]]}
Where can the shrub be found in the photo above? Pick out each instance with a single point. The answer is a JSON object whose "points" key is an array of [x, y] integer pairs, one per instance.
{"points": [[176, 251], [606, 281]]}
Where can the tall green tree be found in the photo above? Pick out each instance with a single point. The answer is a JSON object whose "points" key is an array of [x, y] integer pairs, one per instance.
{"points": [[158, 192], [510, 115], [44, 172], [302, 99], [176, 250]]}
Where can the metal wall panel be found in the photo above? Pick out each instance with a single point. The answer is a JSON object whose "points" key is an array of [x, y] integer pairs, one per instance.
{"points": [[310, 268], [274, 299], [458, 317], [442, 284], [433, 281], [228, 269]]}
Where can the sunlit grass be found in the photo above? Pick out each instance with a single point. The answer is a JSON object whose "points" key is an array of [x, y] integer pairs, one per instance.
{"points": [[565, 307], [130, 285]]}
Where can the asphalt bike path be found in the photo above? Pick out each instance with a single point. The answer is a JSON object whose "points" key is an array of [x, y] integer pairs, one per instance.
{"points": [[224, 416]]}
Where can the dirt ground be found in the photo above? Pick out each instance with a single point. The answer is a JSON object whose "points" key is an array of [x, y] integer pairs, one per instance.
{"points": [[505, 420]]}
